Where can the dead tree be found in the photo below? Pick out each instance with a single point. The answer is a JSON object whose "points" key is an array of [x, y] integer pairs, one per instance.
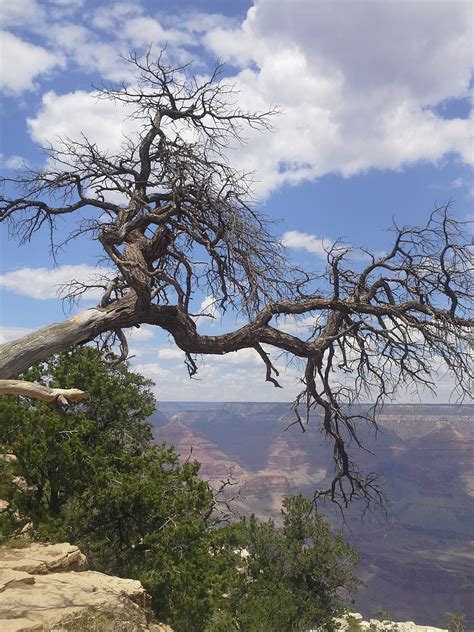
{"points": [[185, 226]]}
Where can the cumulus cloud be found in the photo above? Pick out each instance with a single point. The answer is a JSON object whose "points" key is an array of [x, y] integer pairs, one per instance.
{"points": [[13, 162], [208, 310], [144, 333], [67, 6], [305, 241], [21, 13], [44, 283], [357, 83], [70, 115], [360, 85], [217, 382], [170, 353], [22, 62], [109, 17], [242, 357], [90, 52], [466, 184], [152, 371], [300, 326], [147, 30]]}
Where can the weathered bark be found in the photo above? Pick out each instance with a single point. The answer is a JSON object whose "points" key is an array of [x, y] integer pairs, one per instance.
{"points": [[33, 390], [18, 355], [185, 230]]}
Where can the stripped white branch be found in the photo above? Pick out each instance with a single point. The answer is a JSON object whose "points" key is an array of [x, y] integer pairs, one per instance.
{"points": [[33, 390]]}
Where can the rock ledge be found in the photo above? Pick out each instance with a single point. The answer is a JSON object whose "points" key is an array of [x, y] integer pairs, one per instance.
{"points": [[383, 626], [43, 587]]}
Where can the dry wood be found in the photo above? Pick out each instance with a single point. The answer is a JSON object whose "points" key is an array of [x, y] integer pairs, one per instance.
{"points": [[43, 393], [382, 323]]}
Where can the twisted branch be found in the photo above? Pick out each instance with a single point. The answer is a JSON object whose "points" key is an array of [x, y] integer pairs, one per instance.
{"points": [[186, 227]]}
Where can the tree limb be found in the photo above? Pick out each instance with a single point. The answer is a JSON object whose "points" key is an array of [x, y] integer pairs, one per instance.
{"points": [[33, 390], [185, 227]]}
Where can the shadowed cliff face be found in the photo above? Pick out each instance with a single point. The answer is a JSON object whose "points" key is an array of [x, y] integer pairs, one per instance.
{"points": [[417, 563]]}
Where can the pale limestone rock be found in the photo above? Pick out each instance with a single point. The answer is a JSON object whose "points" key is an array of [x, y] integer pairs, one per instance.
{"points": [[20, 483], [52, 595], [59, 596], [38, 559], [11, 579], [8, 457], [21, 625], [384, 626]]}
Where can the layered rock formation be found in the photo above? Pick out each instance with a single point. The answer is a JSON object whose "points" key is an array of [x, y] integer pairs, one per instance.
{"points": [[45, 587], [418, 563]]}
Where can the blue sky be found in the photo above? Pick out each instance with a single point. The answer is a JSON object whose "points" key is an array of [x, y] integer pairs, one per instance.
{"points": [[374, 125]]}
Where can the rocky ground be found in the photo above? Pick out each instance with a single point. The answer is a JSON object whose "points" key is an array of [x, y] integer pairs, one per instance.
{"points": [[374, 625], [45, 587]]}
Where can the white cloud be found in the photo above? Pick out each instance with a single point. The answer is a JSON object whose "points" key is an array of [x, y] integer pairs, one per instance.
{"points": [[217, 382], [16, 162], [44, 283], [170, 354], [139, 339], [242, 357], [12, 333], [466, 184], [208, 310], [299, 326], [356, 82], [152, 371], [13, 162], [209, 307], [22, 62], [198, 22], [146, 30], [67, 5], [69, 115], [238, 376], [109, 17], [20, 13], [305, 241], [75, 4], [89, 51], [144, 333]]}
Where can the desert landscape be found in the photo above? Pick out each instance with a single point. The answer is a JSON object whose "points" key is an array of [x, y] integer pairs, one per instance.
{"points": [[417, 561]]}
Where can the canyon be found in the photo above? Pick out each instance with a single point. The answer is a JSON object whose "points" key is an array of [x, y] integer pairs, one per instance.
{"points": [[418, 557]]}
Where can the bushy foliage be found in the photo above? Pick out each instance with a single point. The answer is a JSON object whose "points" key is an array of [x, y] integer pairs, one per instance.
{"points": [[92, 475], [295, 576], [455, 621], [59, 453], [150, 520]]}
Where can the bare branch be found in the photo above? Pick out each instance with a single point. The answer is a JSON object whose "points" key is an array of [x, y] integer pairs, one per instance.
{"points": [[32, 390], [184, 225]]}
